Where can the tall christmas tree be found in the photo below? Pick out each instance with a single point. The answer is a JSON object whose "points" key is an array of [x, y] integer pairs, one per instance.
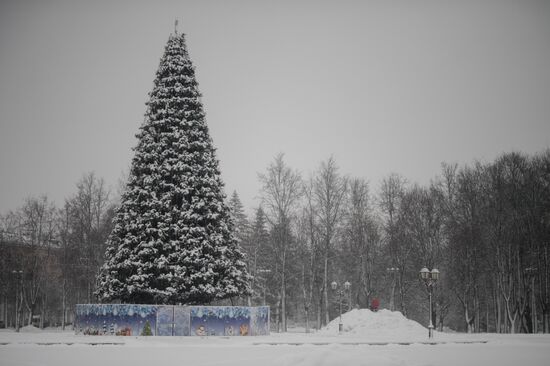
{"points": [[173, 239]]}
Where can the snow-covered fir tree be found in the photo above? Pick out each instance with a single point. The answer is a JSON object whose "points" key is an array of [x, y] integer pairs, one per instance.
{"points": [[173, 239], [259, 234], [242, 226], [257, 259]]}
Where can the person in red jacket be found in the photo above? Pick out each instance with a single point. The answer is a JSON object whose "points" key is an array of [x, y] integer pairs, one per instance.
{"points": [[375, 304]]}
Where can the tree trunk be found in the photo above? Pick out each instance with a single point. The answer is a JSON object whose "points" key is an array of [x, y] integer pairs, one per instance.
{"points": [[546, 319], [30, 309], [477, 313], [283, 293], [306, 311], [533, 306], [319, 305], [307, 293], [496, 302], [511, 319], [434, 315], [392, 295], [487, 317], [468, 319], [255, 267], [277, 314], [5, 302], [63, 303], [402, 299], [325, 289], [42, 315], [89, 290], [19, 310]]}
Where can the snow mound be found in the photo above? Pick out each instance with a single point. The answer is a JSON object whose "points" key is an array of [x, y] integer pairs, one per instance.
{"points": [[32, 329], [383, 323]]}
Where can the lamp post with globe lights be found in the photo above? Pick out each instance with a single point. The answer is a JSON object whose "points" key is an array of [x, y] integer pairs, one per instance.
{"points": [[429, 278], [341, 293]]}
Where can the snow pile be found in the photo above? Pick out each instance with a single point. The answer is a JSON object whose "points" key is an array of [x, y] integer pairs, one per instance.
{"points": [[30, 329], [383, 323]]}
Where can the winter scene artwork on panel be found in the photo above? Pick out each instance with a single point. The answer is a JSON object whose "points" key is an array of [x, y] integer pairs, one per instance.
{"points": [[168, 320]]}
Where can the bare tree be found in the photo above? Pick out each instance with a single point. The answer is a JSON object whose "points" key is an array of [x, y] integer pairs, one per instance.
{"points": [[281, 191], [361, 242], [38, 233], [422, 219], [310, 253], [390, 198], [543, 266], [330, 192], [91, 224]]}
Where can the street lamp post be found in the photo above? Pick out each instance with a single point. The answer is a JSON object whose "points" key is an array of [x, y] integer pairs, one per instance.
{"points": [[429, 278], [341, 293]]}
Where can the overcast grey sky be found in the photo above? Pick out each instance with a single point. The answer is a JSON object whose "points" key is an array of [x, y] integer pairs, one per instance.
{"points": [[384, 86]]}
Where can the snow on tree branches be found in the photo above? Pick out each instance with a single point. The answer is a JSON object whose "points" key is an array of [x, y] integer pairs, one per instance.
{"points": [[173, 239]]}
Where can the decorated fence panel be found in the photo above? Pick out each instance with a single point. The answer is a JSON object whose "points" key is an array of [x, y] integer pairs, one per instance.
{"points": [[168, 320]]}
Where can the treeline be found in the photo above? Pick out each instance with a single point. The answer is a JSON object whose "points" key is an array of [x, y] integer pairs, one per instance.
{"points": [[485, 226], [49, 256]]}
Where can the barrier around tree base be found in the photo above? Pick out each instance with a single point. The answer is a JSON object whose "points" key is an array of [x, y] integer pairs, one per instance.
{"points": [[171, 320]]}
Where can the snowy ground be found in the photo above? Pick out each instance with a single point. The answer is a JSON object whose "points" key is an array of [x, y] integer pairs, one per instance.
{"points": [[382, 338]]}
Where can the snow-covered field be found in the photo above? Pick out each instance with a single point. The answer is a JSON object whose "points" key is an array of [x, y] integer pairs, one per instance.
{"points": [[383, 338]]}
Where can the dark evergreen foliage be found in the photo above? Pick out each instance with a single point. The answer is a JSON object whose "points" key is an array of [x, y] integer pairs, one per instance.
{"points": [[173, 239]]}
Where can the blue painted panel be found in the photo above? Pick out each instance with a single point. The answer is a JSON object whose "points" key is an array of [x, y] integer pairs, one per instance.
{"points": [[259, 321], [181, 320], [165, 321], [114, 319], [220, 321]]}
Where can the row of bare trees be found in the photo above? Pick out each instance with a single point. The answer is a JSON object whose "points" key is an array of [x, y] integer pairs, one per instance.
{"points": [[486, 227], [49, 256], [498, 227]]}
